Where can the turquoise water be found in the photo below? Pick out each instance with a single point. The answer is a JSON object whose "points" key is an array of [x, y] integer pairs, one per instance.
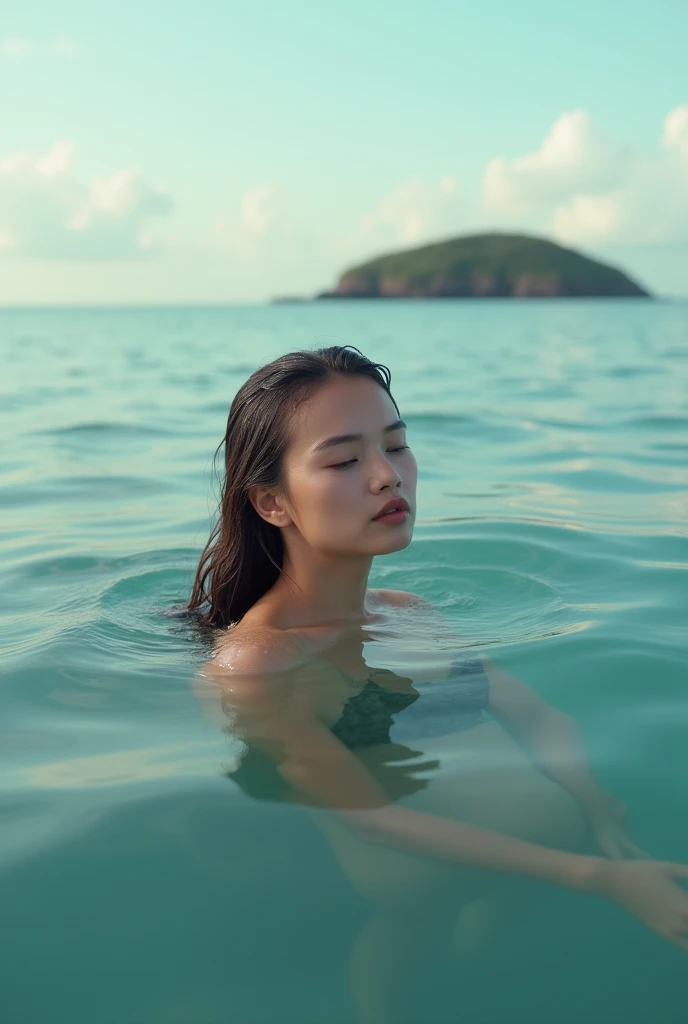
{"points": [[137, 883]]}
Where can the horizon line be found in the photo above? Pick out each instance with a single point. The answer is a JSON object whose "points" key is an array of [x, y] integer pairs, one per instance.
{"points": [[308, 300]]}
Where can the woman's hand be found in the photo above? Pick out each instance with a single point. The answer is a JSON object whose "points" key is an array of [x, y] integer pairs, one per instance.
{"points": [[607, 820], [646, 888]]}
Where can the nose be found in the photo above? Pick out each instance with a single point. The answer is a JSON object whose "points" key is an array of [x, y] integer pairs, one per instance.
{"points": [[384, 474]]}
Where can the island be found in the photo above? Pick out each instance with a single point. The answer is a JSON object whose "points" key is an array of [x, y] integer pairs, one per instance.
{"points": [[484, 266]]}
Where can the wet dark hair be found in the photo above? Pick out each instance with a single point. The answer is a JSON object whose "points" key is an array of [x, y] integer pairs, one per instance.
{"points": [[243, 557]]}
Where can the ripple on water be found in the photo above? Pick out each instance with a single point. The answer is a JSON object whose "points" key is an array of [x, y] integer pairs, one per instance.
{"points": [[494, 586], [83, 489], [607, 481], [99, 428], [657, 422]]}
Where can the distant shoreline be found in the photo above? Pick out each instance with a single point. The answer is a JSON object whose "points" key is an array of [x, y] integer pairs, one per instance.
{"points": [[333, 296]]}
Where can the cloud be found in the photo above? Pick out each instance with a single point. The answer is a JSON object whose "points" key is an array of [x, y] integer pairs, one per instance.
{"points": [[675, 134], [589, 189], [260, 243], [21, 47], [259, 209], [48, 212], [573, 156], [413, 211], [649, 207], [249, 229]]}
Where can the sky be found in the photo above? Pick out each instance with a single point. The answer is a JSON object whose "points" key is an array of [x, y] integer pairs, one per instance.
{"points": [[232, 152]]}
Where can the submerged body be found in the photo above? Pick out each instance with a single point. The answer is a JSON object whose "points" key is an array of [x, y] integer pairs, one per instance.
{"points": [[437, 777], [427, 732]]}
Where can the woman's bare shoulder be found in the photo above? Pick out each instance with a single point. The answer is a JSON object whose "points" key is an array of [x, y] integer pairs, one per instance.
{"points": [[258, 674], [257, 649]]}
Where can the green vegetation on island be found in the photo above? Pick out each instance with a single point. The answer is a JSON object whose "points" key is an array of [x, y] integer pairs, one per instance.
{"points": [[484, 266]]}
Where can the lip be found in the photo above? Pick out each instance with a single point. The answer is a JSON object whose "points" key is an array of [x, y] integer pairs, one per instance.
{"points": [[396, 504]]}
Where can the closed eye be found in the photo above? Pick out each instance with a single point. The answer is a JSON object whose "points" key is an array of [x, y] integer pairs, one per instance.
{"points": [[350, 462]]}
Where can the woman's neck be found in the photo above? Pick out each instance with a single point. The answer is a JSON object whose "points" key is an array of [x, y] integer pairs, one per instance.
{"points": [[321, 591]]}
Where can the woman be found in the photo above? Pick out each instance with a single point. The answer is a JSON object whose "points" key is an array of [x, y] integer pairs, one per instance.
{"points": [[349, 699]]}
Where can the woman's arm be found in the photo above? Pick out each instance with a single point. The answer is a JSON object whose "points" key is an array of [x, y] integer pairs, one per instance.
{"points": [[280, 721], [554, 742], [552, 738], [275, 718]]}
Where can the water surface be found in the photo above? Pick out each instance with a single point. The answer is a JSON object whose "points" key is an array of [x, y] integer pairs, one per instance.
{"points": [[138, 884]]}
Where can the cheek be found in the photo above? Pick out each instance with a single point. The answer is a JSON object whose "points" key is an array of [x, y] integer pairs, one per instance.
{"points": [[410, 469], [336, 492], [324, 492]]}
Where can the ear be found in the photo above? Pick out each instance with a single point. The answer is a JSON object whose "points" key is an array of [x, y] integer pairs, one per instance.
{"points": [[269, 505]]}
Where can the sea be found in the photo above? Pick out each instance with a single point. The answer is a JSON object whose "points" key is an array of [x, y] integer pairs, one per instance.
{"points": [[138, 883]]}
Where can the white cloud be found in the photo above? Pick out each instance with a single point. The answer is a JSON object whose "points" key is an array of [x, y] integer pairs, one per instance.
{"points": [[588, 189], [21, 47], [48, 212], [55, 163], [573, 155], [16, 46], [252, 228], [675, 134], [262, 235], [259, 209], [415, 210], [651, 208], [261, 246]]}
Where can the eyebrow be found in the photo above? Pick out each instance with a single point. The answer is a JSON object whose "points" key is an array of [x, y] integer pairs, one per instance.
{"points": [[330, 442]]}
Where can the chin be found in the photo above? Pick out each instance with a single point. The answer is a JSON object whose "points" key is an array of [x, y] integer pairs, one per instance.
{"points": [[396, 540], [398, 543]]}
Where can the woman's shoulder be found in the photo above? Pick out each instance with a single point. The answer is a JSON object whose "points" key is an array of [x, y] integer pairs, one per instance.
{"points": [[257, 649]]}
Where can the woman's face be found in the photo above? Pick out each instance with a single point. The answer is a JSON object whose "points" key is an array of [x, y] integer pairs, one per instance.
{"points": [[337, 483]]}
